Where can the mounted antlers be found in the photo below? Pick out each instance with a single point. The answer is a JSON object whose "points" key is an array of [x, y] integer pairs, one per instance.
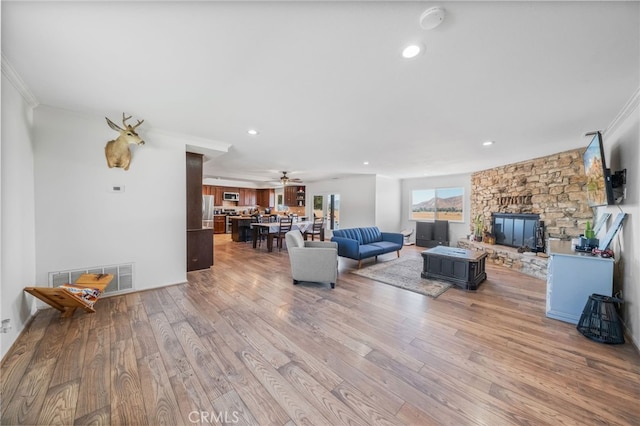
{"points": [[117, 151]]}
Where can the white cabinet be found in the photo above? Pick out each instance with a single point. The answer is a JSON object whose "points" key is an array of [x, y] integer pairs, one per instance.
{"points": [[571, 278]]}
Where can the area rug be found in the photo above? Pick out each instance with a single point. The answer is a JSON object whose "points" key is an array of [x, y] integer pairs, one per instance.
{"points": [[404, 273]]}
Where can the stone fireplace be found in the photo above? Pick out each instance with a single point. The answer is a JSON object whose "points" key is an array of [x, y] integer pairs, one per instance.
{"points": [[551, 188]]}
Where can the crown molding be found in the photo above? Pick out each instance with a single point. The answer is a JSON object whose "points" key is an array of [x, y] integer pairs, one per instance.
{"points": [[624, 113], [17, 81]]}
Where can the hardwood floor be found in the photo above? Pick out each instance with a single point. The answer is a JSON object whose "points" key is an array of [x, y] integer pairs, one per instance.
{"points": [[239, 344]]}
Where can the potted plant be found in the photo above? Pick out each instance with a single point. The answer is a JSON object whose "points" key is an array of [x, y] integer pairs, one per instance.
{"points": [[590, 235], [478, 227]]}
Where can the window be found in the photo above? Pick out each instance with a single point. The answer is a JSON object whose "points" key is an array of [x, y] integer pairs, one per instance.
{"points": [[437, 204]]}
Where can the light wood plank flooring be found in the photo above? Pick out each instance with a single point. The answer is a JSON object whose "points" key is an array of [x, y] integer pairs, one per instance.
{"points": [[239, 344]]}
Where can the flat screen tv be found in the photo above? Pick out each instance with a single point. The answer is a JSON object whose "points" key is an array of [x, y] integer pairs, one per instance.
{"points": [[599, 187]]}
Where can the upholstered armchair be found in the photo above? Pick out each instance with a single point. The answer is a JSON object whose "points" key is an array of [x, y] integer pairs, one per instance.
{"points": [[312, 261]]}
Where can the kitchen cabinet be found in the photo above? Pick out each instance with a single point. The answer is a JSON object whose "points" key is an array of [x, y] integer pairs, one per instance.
{"points": [[266, 198], [294, 196], [218, 191], [571, 278], [247, 197], [219, 224], [208, 190], [300, 196]]}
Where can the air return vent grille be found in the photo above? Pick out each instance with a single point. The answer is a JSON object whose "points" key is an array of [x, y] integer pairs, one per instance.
{"points": [[122, 277]]}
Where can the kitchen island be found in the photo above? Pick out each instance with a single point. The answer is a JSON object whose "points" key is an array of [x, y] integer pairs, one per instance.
{"points": [[240, 228]]}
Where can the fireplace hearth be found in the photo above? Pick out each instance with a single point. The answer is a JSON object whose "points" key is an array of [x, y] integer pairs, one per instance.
{"points": [[518, 230]]}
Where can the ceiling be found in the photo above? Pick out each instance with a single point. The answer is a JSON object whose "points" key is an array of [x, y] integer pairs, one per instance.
{"points": [[324, 83]]}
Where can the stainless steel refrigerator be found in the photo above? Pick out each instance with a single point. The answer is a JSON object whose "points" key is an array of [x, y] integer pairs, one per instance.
{"points": [[207, 211]]}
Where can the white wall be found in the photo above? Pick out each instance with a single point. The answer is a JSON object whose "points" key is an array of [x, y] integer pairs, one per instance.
{"points": [[80, 223], [17, 232], [621, 143], [388, 198], [366, 200], [357, 199], [456, 230]]}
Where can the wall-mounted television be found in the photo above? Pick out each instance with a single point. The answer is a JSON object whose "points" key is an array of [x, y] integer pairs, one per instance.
{"points": [[603, 187], [599, 188]]}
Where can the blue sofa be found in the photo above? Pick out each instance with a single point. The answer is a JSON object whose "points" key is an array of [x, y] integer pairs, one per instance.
{"points": [[362, 243]]}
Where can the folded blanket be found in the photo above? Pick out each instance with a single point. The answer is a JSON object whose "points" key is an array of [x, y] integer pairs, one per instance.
{"points": [[89, 295]]}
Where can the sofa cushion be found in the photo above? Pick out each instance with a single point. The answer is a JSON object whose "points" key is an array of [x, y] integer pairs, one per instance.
{"points": [[370, 250], [386, 246], [370, 235], [352, 233]]}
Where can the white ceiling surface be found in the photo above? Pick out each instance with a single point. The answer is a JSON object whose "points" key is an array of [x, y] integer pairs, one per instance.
{"points": [[324, 82]]}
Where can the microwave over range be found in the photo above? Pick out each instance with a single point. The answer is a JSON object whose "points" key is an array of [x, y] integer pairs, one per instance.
{"points": [[231, 196]]}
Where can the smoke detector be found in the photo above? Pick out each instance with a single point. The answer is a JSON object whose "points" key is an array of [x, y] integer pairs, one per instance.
{"points": [[431, 18]]}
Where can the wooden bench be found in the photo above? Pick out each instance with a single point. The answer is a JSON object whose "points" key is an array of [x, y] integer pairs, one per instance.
{"points": [[65, 300]]}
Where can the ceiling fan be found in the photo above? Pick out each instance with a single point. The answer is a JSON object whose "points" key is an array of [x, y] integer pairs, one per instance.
{"points": [[284, 179]]}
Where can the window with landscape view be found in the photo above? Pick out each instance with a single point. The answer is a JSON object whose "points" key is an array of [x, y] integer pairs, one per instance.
{"points": [[437, 204]]}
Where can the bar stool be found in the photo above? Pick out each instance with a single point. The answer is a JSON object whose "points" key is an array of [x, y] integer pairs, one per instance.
{"points": [[599, 320]]}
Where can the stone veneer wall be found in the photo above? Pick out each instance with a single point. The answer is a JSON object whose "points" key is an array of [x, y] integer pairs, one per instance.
{"points": [[552, 187], [527, 263]]}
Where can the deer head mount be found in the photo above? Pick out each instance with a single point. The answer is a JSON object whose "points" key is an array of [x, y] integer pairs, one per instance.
{"points": [[117, 151]]}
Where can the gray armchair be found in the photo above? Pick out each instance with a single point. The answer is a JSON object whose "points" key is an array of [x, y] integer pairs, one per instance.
{"points": [[313, 261]]}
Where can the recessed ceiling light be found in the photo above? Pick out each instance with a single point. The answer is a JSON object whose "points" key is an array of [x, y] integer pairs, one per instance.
{"points": [[252, 132], [366, 163], [411, 51], [487, 143]]}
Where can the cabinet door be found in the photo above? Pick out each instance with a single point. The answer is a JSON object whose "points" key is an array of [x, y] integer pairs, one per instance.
{"points": [[219, 224], [290, 196], [265, 198], [217, 195], [251, 197], [261, 197]]}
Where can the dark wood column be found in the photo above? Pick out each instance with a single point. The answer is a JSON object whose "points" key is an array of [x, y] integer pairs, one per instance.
{"points": [[199, 240]]}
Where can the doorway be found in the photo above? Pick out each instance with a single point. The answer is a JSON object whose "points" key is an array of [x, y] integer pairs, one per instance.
{"points": [[330, 210]]}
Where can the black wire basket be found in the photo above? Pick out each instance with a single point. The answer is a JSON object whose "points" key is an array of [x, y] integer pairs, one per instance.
{"points": [[599, 320]]}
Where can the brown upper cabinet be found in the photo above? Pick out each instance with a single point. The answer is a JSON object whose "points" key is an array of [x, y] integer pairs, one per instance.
{"points": [[294, 196], [248, 197], [266, 198]]}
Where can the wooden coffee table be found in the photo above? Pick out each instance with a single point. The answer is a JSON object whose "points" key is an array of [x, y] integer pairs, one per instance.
{"points": [[464, 268]]}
